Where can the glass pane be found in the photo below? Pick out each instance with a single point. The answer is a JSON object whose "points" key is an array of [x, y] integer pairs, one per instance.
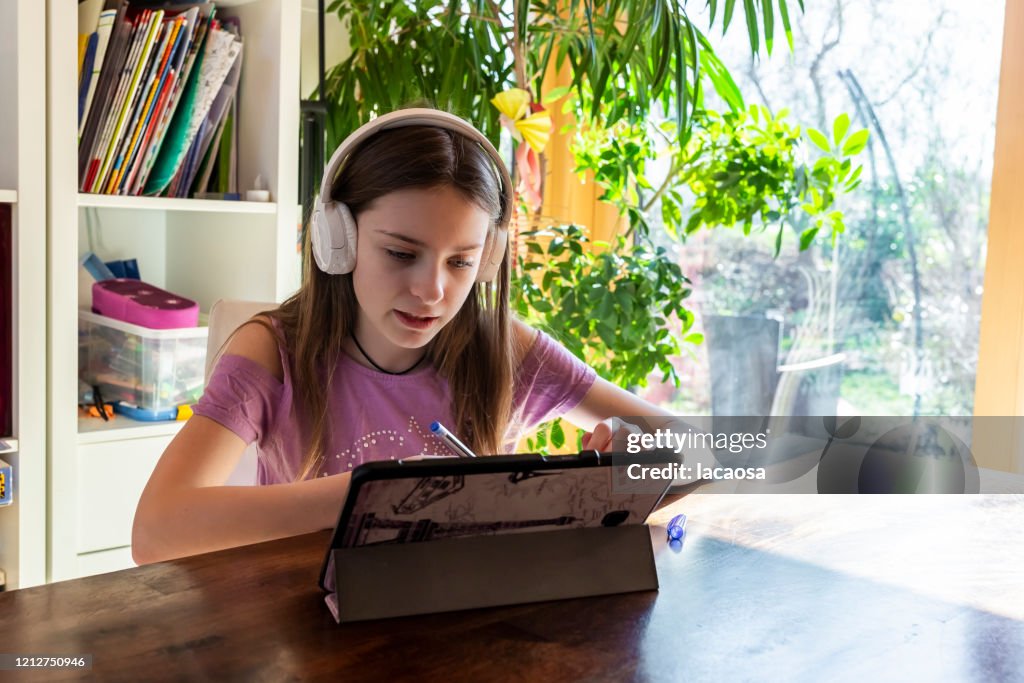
{"points": [[886, 321]]}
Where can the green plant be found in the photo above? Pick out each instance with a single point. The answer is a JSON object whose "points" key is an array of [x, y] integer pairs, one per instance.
{"points": [[596, 302], [611, 307], [743, 167]]}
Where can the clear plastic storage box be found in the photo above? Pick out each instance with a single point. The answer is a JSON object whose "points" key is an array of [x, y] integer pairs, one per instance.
{"points": [[152, 369]]}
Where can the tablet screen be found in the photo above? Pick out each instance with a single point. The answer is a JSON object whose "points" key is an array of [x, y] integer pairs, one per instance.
{"points": [[392, 503]]}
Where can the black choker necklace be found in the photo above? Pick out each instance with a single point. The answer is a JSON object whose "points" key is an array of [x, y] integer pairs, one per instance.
{"points": [[386, 372]]}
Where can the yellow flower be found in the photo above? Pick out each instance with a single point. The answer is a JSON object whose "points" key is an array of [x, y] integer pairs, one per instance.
{"points": [[535, 128], [513, 103]]}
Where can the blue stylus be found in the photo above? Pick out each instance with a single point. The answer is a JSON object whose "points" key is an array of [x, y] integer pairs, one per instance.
{"points": [[677, 527]]}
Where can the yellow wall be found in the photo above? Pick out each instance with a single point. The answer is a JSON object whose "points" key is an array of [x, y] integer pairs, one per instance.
{"points": [[999, 388], [566, 197]]}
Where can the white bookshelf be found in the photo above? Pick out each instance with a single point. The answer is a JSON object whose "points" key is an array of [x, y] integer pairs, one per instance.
{"points": [[23, 187], [202, 249], [105, 201]]}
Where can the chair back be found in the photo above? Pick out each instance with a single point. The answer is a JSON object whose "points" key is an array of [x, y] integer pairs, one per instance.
{"points": [[226, 316]]}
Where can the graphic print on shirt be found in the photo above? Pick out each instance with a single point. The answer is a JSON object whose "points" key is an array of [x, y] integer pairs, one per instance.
{"points": [[377, 444]]}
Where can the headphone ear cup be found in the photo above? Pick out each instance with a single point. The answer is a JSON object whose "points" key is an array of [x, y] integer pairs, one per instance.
{"points": [[346, 253], [334, 238], [492, 256], [320, 237]]}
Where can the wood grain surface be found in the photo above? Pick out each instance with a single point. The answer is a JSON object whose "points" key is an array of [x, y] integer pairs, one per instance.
{"points": [[771, 587]]}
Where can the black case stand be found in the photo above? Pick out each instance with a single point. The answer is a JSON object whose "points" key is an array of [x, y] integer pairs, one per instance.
{"points": [[379, 581]]}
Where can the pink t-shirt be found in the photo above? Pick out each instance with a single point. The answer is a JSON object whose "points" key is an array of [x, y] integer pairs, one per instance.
{"points": [[377, 416]]}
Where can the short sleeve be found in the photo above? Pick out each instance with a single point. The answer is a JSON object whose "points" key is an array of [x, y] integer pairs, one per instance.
{"points": [[550, 381], [241, 395]]}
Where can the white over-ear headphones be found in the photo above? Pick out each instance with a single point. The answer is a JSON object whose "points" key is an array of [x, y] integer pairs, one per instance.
{"points": [[333, 228]]}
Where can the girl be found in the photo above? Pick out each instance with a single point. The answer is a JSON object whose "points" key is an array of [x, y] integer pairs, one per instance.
{"points": [[358, 363]]}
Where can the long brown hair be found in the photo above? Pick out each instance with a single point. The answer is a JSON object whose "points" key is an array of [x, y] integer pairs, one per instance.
{"points": [[474, 352]]}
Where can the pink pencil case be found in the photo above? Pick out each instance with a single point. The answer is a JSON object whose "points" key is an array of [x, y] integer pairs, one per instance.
{"points": [[138, 303]]}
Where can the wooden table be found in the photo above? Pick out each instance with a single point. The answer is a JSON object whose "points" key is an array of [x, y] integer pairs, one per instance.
{"points": [[772, 587]]}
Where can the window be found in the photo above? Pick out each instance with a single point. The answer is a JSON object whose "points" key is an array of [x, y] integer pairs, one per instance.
{"points": [[886, 321]]}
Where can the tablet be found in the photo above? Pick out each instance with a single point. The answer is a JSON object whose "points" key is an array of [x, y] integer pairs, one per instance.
{"points": [[395, 502]]}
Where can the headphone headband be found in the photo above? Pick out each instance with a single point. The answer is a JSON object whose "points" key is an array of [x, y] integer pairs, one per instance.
{"points": [[333, 225]]}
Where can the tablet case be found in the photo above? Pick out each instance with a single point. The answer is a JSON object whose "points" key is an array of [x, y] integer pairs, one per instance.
{"points": [[425, 537]]}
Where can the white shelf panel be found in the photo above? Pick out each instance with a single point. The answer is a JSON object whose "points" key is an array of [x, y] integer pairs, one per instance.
{"points": [[112, 201], [8, 196], [94, 430], [234, 3], [8, 445]]}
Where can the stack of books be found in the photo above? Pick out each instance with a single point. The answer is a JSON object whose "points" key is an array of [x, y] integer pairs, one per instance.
{"points": [[157, 105]]}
